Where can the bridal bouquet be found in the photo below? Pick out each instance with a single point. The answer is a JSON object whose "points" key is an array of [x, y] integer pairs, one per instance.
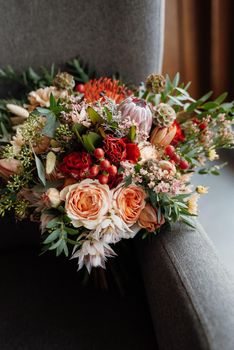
{"points": [[96, 161]]}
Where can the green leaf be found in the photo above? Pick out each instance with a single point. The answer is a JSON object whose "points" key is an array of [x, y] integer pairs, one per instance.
{"points": [[52, 223], [108, 114], [52, 237], [128, 180], [176, 80], [206, 96], [90, 141], [43, 111], [56, 244], [94, 116], [40, 169], [53, 102], [71, 231], [221, 98], [132, 133], [210, 105], [51, 125]]}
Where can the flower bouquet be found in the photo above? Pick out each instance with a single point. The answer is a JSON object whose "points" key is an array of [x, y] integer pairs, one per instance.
{"points": [[95, 161]]}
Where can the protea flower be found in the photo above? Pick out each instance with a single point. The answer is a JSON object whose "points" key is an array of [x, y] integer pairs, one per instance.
{"points": [[163, 136], [138, 111], [97, 89]]}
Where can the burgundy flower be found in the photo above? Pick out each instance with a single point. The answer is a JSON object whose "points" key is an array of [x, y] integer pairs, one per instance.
{"points": [[76, 164], [115, 149]]}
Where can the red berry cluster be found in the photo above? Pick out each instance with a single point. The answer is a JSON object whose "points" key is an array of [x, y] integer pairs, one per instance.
{"points": [[170, 152], [105, 170]]}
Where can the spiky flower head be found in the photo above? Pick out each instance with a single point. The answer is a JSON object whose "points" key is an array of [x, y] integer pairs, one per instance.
{"points": [[64, 80], [163, 115], [155, 83]]}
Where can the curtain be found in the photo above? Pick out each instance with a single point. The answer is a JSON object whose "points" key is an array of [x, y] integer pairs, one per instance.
{"points": [[199, 37]]}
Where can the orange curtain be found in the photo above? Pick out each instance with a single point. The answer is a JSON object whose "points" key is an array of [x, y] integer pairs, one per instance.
{"points": [[199, 44]]}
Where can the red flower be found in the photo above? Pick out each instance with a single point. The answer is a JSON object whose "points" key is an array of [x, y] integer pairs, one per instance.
{"points": [[76, 164], [115, 149], [179, 136], [133, 152]]}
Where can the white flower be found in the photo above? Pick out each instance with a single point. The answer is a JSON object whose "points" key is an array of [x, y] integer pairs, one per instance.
{"points": [[92, 253], [148, 152], [112, 229]]}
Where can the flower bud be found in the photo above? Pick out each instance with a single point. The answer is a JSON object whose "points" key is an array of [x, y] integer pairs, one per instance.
{"points": [[155, 83], [54, 197], [17, 110], [9, 167], [163, 136], [148, 219], [166, 165], [64, 80]]}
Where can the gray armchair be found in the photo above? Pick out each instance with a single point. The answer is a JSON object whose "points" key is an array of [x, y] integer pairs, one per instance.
{"points": [[189, 302]]}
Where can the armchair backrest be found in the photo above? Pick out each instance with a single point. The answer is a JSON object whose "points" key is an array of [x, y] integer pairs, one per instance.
{"points": [[124, 36]]}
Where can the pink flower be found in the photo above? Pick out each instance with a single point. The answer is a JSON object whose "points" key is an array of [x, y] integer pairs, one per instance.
{"points": [[87, 202], [9, 167], [129, 202], [138, 111], [148, 219]]}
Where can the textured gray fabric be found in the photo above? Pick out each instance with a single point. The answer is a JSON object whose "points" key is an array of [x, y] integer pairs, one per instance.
{"points": [[122, 36], [189, 291]]}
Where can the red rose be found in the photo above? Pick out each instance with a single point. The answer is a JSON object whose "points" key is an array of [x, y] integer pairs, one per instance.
{"points": [[179, 136], [133, 152], [76, 164], [115, 149]]}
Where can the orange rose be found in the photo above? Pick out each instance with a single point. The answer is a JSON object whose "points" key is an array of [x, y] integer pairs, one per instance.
{"points": [[129, 202], [9, 167], [148, 219], [87, 202]]}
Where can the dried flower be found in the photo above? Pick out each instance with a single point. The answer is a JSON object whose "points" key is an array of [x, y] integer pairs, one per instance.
{"points": [[93, 253], [212, 155], [41, 97], [155, 83], [202, 189], [9, 167], [163, 115], [192, 204], [64, 80]]}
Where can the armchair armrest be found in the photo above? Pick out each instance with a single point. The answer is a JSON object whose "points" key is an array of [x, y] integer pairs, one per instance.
{"points": [[190, 293]]}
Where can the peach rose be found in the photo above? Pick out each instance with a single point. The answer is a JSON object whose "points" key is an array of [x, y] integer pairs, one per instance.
{"points": [[9, 167], [129, 202], [87, 202], [148, 219]]}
